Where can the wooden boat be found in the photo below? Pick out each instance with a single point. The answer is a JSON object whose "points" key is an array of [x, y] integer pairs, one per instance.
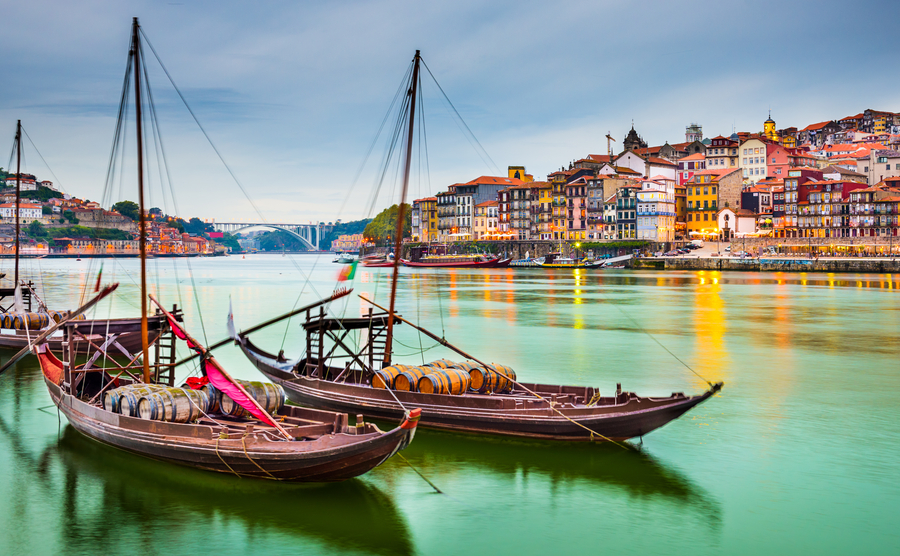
{"points": [[457, 261], [245, 438], [555, 260], [337, 375], [580, 414], [323, 445]]}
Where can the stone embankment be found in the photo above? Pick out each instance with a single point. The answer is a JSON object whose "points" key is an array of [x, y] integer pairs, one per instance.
{"points": [[775, 264]]}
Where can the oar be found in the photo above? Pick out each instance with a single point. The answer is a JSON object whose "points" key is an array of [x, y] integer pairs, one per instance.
{"points": [[336, 295], [46, 333]]}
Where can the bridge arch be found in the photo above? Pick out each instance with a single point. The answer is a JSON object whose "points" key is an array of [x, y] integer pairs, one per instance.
{"points": [[308, 241]]}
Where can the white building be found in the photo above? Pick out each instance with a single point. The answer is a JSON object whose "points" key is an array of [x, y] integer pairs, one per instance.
{"points": [[753, 160], [609, 217], [26, 210], [880, 164], [735, 223], [656, 211], [24, 185], [651, 166]]}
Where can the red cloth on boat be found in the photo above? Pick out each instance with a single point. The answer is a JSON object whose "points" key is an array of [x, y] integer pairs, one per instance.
{"points": [[196, 382], [235, 392]]}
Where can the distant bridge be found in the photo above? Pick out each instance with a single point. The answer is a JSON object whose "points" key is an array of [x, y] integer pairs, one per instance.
{"points": [[309, 234]]}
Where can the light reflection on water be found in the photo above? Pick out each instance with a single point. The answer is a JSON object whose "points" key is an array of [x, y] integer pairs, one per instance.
{"points": [[799, 450]]}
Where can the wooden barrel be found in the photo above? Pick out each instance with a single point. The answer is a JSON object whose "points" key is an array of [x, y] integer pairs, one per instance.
{"points": [[56, 316], [127, 397], [386, 376], [269, 396], [174, 405], [447, 381], [215, 398], [505, 376], [465, 365], [33, 321], [441, 364], [408, 380], [5, 320]]}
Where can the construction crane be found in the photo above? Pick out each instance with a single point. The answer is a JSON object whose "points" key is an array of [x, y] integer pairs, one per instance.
{"points": [[609, 140]]}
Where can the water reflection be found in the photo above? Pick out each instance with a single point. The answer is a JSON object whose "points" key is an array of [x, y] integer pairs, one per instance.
{"points": [[98, 499], [631, 471]]}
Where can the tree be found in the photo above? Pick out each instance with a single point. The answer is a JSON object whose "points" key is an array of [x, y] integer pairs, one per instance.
{"points": [[129, 209], [384, 225], [231, 242], [70, 216], [154, 212], [178, 224], [36, 229], [46, 209]]}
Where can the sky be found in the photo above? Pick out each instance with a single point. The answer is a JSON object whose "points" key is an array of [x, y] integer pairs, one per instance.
{"points": [[293, 93]]}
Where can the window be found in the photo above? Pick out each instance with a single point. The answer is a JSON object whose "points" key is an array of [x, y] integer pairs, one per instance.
{"points": [[706, 216], [706, 204], [706, 191], [773, 160], [713, 190]]}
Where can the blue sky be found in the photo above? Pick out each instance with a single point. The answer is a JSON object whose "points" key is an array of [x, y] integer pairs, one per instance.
{"points": [[293, 92]]}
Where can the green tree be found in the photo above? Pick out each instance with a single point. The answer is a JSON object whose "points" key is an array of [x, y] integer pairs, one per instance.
{"points": [[46, 209], [231, 242], [384, 225], [70, 216], [129, 209], [36, 230]]}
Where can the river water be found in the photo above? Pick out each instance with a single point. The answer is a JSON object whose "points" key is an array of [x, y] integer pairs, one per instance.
{"points": [[798, 454]]}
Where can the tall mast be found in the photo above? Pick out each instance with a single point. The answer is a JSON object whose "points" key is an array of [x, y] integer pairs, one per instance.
{"points": [[398, 235], [18, 193], [136, 65]]}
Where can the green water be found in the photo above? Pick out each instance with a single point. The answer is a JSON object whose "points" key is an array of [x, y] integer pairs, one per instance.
{"points": [[798, 455]]}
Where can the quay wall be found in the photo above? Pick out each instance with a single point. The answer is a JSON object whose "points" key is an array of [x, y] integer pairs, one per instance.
{"points": [[885, 265]]}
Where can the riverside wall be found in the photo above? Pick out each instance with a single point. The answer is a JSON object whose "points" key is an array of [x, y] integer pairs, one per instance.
{"points": [[774, 264]]}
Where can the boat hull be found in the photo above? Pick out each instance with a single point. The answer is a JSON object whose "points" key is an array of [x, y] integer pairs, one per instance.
{"points": [[486, 414], [329, 458], [493, 263]]}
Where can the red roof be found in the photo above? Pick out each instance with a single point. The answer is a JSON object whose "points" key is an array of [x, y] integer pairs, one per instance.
{"points": [[660, 161], [600, 157], [814, 127], [695, 156]]}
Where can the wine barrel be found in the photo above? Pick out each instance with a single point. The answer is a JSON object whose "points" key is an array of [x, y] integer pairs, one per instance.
{"points": [[269, 396], [465, 365], [441, 364], [174, 405], [127, 397], [447, 381], [215, 397], [56, 316], [408, 380], [386, 376], [33, 321], [505, 377], [5, 320]]}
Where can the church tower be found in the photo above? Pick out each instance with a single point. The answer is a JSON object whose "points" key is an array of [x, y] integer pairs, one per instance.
{"points": [[633, 140], [769, 129]]}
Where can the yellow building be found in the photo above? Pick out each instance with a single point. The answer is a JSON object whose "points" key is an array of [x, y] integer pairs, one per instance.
{"points": [[518, 173], [543, 195], [702, 202], [426, 225], [485, 222]]}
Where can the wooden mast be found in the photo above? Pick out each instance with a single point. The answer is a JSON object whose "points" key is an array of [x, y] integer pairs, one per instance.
{"points": [[18, 194], [398, 235], [136, 65]]}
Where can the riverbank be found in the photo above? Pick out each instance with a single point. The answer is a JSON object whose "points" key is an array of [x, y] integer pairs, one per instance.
{"points": [[772, 264]]}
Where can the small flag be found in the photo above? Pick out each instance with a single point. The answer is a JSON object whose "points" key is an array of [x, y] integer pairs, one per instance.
{"points": [[348, 272], [232, 331], [99, 274]]}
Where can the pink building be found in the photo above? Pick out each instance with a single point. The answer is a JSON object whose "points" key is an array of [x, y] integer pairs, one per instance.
{"points": [[688, 165]]}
